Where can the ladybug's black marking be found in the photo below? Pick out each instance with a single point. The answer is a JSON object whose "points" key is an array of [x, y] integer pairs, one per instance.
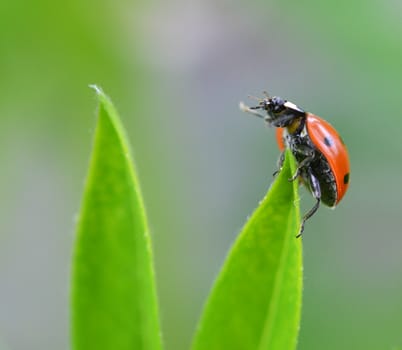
{"points": [[346, 179], [328, 141]]}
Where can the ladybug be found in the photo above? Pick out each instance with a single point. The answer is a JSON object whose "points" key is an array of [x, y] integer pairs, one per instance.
{"points": [[321, 156]]}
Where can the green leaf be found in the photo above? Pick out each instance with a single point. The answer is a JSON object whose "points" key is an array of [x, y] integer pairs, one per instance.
{"points": [[256, 300], [114, 303]]}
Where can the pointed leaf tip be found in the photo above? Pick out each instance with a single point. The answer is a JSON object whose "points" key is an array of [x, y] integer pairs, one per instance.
{"points": [[97, 89]]}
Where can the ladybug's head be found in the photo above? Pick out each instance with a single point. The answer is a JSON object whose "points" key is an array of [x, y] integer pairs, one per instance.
{"points": [[280, 112]]}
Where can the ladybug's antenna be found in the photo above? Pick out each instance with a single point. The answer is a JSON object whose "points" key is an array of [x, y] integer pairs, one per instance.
{"points": [[254, 98], [251, 110]]}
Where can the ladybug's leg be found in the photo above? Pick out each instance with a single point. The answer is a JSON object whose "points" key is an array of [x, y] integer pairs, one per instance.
{"points": [[280, 163], [309, 154], [316, 192]]}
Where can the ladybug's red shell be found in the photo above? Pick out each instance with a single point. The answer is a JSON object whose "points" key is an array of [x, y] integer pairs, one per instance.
{"points": [[326, 140], [279, 138], [330, 144]]}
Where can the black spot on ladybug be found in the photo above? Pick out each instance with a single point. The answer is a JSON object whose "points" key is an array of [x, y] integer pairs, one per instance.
{"points": [[346, 179], [328, 141]]}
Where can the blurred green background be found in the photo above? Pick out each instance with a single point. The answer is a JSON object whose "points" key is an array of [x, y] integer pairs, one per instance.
{"points": [[176, 71]]}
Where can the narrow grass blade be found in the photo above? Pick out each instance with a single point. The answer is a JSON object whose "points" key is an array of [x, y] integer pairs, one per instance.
{"points": [[114, 302], [256, 300]]}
